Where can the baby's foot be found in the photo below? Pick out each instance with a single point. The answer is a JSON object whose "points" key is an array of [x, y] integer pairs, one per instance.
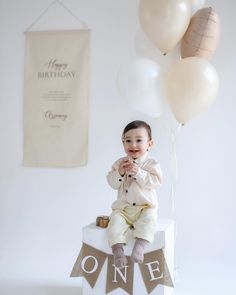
{"points": [[138, 250], [120, 260]]}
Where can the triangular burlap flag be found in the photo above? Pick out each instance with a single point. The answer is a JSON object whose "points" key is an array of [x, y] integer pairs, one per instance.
{"points": [[155, 270], [89, 264], [119, 278]]}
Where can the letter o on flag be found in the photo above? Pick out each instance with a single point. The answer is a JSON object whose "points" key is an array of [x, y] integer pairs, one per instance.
{"points": [[95, 266]]}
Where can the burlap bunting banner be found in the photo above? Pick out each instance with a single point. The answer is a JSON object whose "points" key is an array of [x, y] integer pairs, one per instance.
{"points": [[119, 278], [154, 270], [89, 264]]}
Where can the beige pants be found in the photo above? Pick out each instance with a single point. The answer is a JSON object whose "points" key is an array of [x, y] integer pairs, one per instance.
{"points": [[142, 219]]}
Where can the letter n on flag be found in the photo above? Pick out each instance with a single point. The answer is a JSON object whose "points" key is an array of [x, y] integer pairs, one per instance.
{"points": [[119, 278]]}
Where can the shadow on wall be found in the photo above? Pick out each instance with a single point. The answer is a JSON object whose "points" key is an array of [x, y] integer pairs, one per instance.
{"points": [[40, 290]]}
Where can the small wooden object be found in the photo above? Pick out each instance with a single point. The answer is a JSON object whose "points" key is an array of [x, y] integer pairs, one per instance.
{"points": [[102, 221]]}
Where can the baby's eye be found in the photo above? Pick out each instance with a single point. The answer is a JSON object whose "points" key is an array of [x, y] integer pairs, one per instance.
{"points": [[139, 140], [128, 140]]}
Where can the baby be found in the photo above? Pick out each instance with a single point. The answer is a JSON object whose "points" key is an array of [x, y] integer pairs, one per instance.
{"points": [[135, 178]]}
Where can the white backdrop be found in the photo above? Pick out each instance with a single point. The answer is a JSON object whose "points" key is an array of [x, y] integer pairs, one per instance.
{"points": [[42, 211]]}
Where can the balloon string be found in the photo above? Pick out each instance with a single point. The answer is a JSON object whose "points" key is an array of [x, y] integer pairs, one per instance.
{"points": [[173, 191], [175, 172]]}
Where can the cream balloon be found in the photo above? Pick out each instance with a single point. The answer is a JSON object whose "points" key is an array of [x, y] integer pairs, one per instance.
{"points": [[165, 21], [197, 4], [139, 84], [191, 86]]}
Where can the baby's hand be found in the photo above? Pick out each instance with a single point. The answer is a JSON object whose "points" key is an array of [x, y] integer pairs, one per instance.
{"points": [[124, 166], [133, 169]]}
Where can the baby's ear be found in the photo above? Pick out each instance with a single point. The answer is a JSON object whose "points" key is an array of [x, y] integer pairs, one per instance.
{"points": [[151, 143]]}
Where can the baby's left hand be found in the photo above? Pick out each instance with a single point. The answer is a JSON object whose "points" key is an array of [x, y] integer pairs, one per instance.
{"points": [[133, 169]]}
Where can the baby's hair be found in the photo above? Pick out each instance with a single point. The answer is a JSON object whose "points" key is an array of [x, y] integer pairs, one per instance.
{"points": [[137, 124]]}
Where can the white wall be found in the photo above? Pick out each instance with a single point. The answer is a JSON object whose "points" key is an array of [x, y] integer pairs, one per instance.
{"points": [[42, 211]]}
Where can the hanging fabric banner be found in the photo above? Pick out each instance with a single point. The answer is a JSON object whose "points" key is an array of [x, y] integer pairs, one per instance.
{"points": [[56, 98], [89, 264], [155, 270], [120, 278]]}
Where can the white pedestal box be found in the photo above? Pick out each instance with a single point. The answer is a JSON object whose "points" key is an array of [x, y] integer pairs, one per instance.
{"points": [[164, 238]]}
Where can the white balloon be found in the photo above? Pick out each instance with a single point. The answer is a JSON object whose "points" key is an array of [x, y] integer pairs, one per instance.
{"points": [[191, 86], [139, 84], [165, 21], [196, 4], [145, 48]]}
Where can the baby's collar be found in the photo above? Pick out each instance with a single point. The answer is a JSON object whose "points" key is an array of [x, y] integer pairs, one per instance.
{"points": [[141, 159]]}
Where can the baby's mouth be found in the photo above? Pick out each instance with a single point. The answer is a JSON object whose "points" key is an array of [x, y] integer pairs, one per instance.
{"points": [[133, 151]]}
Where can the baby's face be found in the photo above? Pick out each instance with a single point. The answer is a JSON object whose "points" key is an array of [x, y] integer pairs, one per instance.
{"points": [[136, 142]]}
